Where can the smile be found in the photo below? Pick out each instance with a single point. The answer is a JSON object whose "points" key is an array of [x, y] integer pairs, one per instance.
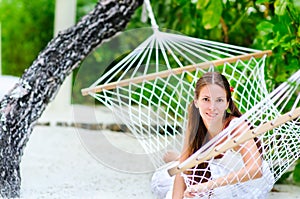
{"points": [[212, 115]]}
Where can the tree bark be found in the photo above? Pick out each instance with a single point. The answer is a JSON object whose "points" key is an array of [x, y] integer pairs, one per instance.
{"points": [[21, 107]]}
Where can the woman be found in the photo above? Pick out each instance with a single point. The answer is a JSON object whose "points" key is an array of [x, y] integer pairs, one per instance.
{"points": [[216, 178]]}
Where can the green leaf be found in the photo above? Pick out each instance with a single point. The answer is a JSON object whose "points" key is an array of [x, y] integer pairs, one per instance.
{"points": [[201, 4], [280, 7], [284, 177], [212, 14], [296, 174], [265, 26], [297, 5], [262, 1]]}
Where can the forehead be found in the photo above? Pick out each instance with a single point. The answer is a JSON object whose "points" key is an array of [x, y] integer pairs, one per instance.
{"points": [[212, 90]]}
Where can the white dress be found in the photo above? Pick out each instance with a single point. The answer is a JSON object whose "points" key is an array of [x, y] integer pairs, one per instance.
{"points": [[162, 183]]}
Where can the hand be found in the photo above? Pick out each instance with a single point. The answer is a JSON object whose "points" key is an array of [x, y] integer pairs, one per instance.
{"points": [[188, 194], [196, 190], [170, 156]]}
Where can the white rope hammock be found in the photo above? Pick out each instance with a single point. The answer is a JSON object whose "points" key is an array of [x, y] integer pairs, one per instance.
{"points": [[150, 90]]}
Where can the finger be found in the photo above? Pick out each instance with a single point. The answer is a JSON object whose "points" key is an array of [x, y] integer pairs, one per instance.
{"points": [[193, 189], [188, 194]]}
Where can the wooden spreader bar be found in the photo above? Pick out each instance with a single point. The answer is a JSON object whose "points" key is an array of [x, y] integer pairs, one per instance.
{"points": [[174, 71], [250, 134]]}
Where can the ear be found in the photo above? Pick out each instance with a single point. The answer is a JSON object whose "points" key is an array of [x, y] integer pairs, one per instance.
{"points": [[227, 106], [195, 103]]}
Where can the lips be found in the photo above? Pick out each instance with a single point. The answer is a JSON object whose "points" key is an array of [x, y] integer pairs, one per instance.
{"points": [[212, 115]]}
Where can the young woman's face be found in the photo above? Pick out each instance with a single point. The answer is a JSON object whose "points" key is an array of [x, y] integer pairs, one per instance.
{"points": [[212, 104]]}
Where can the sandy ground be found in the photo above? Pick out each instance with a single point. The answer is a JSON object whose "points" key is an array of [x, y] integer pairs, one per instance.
{"points": [[57, 164]]}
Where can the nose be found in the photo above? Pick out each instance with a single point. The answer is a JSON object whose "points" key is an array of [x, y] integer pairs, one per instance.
{"points": [[212, 105]]}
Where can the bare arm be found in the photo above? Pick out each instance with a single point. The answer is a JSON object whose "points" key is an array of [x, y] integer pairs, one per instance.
{"points": [[179, 184], [251, 170], [179, 187]]}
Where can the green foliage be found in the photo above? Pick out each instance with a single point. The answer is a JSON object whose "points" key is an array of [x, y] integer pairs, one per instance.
{"points": [[84, 7], [261, 24], [231, 22], [212, 14], [292, 176], [296, 173], [280, 32], [27, 26], [284, 179]]}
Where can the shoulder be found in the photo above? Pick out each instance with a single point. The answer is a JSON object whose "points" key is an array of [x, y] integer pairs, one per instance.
{"points": [[232, 121], [238, 125], [237, 120]]}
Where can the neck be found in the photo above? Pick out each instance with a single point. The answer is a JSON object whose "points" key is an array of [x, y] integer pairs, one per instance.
{"points": [[214, 129]]}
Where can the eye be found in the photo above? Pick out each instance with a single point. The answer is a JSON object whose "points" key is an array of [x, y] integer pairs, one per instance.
{"points": [[205, 99], [220, 100]]}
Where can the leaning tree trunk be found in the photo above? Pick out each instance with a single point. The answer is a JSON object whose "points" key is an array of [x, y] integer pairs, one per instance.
{"points": [[22, 106]]}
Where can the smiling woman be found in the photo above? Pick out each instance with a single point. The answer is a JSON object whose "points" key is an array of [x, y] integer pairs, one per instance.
{"points": [[210, 112], [212, 104]]}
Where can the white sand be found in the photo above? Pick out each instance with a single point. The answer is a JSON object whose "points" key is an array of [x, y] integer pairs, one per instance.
{"points": [[57, 165], [285, 192]]}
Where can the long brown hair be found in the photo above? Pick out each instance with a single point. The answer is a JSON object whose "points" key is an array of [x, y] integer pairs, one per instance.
{"points": [[196, 130]]}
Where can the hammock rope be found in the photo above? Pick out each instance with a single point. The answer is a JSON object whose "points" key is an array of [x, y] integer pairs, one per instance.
{"points": [[150, 89]]}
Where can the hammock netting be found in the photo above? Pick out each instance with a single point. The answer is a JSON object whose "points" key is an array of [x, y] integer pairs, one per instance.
{"points": [[151, 88]]}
